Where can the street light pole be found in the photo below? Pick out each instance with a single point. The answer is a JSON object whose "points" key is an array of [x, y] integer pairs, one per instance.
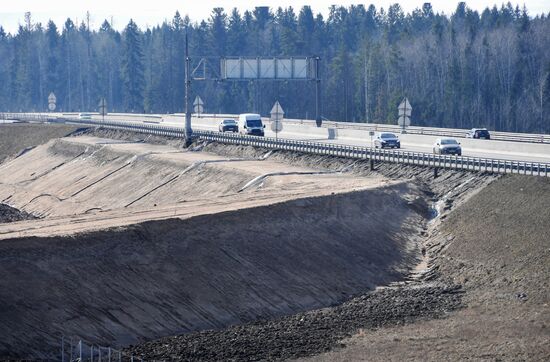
{"points": [[317, 93], [188, 129]]}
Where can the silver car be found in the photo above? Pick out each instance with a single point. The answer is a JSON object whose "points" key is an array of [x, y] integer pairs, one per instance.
{"points": [[447, 146], [228, 125], [385, 139]]}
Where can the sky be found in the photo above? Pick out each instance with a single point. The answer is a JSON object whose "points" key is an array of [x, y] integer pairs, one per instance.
{"points": [[151, 13]]}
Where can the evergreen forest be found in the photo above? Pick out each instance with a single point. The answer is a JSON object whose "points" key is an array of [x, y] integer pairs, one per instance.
{"points": [[461, 70]]}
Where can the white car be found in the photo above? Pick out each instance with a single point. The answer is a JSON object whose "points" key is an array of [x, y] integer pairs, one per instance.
{"points": [[447, 146], [84, 116]]}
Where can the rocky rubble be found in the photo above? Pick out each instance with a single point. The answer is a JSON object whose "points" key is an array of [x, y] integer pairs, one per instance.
{"points": [[10, 214], [308, 333]]}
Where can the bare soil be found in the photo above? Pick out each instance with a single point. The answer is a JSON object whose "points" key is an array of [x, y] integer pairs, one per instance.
{"points": [[501, 290], [84, 183], [307, 333], [496, 246], [136, 283], [263, 255], [18, 137], [139, 241]]}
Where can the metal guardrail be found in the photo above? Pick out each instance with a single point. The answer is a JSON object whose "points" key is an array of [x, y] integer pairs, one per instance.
{"points": [[419, 130], [429, 131], [394, 156], [26, 117], [461, 163]]}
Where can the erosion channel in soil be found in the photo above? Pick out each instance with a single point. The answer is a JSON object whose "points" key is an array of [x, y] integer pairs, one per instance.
{"points": [[137, 241]]}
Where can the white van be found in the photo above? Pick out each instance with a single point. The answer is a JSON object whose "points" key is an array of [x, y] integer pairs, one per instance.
{"points": [[251, 124]]}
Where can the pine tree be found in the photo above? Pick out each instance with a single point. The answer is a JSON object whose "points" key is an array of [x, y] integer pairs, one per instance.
{"points": [[52, 58], [5, 74], [132, 69]]}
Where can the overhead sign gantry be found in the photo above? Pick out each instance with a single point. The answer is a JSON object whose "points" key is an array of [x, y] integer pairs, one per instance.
{"points": [[246, 68], [252, 69]]}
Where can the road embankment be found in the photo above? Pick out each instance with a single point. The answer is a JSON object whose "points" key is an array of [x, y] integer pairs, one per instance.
{"points": [[148, 280], [17, 137]]}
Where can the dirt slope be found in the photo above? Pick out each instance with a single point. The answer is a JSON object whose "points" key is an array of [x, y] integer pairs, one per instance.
{"points": [[84, 174], [159, 278], [234, 239], [242, 248], [85, 183], [16, 137], [73, 177], [497, 245]]}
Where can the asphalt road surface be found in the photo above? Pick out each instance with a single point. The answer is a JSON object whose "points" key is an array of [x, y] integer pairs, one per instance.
{"points": [[417, 143], [491, 149]]}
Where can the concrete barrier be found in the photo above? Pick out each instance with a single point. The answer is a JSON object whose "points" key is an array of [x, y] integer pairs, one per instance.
{"points": [[307, 132]]}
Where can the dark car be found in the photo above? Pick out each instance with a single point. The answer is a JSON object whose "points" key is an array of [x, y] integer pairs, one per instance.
{"points": [[228, 125], [447, 146], [389, 140], [478, 133]]}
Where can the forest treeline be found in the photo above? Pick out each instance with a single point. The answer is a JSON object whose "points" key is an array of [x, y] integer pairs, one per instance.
{"points": [[461, 70]]}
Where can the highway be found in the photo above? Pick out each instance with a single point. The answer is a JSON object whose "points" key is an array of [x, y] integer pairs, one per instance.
{"points": [[306, 131], [514, 151]]}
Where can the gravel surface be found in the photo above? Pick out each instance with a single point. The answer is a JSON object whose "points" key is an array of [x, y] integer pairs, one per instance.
{"points": [[307, 333], [10, 214]]}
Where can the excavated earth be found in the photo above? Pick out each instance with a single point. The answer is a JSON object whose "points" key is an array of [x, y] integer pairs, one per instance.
{"points": [[18, 138], [497, 247], [219, 252], [137, 241], [22, 137]]}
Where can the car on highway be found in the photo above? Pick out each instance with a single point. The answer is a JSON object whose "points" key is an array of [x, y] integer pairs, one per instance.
{"points": [[479, 133], [228, 125], [386, 139], [84, 116], [447, 146], [251, 124]]}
